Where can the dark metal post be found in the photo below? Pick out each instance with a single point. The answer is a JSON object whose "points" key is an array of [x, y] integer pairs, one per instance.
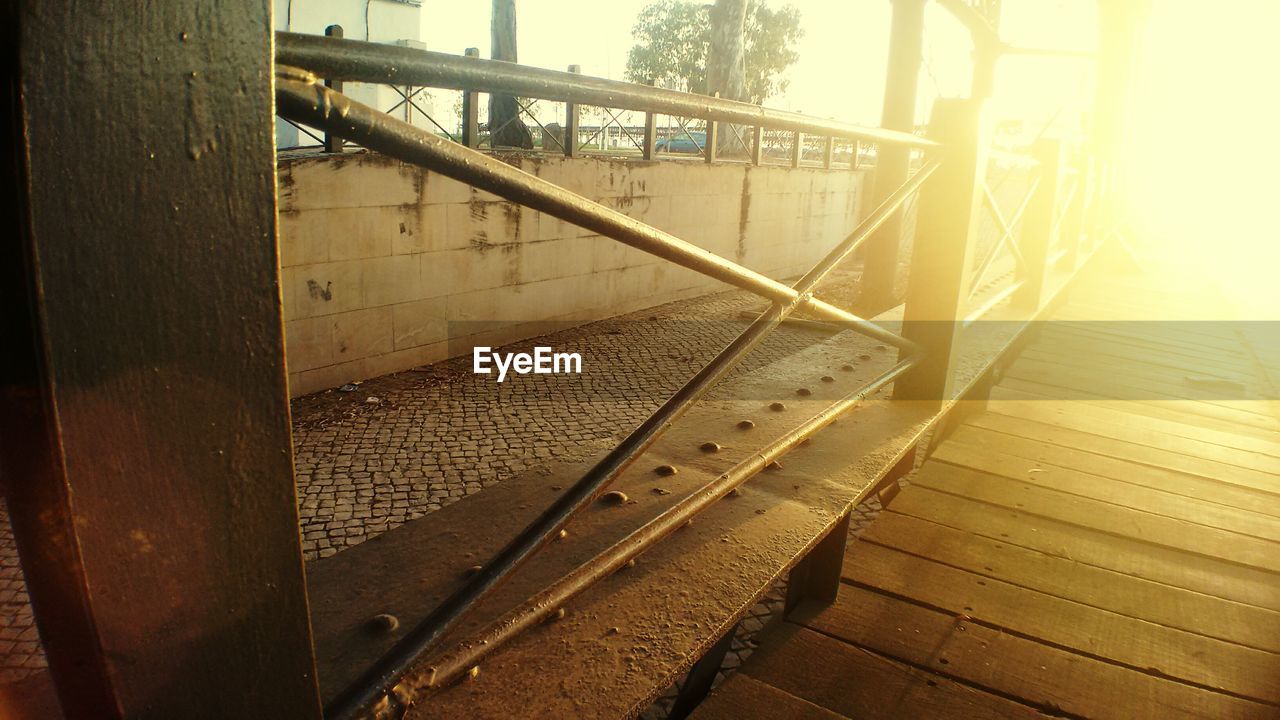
{"points": [[333, 143], [698, 682], [817, 576], [797, 149], [571, 122], [471, 110], [829, 152], [880, 276], [712, 140], [757, 145], [942, 259], [144, 419], [650, 140], [1037, 224]]}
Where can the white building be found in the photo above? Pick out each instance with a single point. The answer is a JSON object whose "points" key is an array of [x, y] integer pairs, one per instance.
{"points": [[395, 22]]}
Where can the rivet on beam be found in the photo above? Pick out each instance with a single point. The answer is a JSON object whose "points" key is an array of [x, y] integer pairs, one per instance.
{"points": [[777, 407], [709, 447], [745, 425], [665, 470], [614, 497], [384, 623]]}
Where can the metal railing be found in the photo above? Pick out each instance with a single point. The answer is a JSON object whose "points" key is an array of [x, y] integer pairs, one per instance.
{"points": [[768, 135], [400, 675]]}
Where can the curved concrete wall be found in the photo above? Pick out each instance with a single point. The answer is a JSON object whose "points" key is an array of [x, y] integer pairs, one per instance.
{"points": [[387, 266]]}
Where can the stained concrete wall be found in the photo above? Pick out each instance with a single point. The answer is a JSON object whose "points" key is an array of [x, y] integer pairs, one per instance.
{"points": [[387, 267]]}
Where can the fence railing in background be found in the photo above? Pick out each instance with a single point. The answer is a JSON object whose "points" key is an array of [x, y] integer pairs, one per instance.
{"points": [[696, 126]]}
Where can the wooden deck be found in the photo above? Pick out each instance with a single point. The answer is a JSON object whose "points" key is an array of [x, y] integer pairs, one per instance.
{"points": [[1102, 540]]}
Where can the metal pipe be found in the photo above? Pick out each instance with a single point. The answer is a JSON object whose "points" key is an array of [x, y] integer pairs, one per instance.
{"points": [[391, 65], [541, 606], [298, 95], [991, 303]]}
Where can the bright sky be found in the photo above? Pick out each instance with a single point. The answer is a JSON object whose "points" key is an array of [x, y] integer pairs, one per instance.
{"points": [[1203, 183], [841, 69], [1205, 155]]}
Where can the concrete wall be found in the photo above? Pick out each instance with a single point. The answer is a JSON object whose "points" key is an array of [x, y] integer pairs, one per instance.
{"points": [[385, 264]]}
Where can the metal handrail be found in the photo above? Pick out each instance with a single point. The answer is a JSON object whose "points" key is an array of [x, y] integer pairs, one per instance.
{"points": [[355, 60], [301, 96]]}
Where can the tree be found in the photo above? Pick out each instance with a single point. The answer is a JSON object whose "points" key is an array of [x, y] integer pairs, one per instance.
{"points": [[505, 126], [726, 62], [674, 38]]}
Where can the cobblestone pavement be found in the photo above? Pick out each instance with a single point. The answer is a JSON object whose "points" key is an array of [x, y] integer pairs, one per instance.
{"points": [[403, 445], [20, 652]]}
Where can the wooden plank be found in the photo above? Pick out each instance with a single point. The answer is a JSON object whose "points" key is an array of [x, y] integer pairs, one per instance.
{"points": [[1065, 344], [1043, 676], [857, 683], [1058, 576], [1177, 381], [1122, 386], [1089, 547], [1115, 419], [1098, 633], [1101, 516], [1239, 404], [1097, 432], [1164, 409], [1101, 465], [742, 696], [1267, 481], [1139, 497], [1163, 332]]}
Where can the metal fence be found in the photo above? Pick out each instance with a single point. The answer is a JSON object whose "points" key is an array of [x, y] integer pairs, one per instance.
{"points": [[601, 117]]}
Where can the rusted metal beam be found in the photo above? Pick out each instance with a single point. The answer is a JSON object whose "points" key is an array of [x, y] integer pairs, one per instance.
{"points": [[145, 442], [388, 64]]}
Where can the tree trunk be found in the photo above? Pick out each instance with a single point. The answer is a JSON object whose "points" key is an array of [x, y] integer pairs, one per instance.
{"points": [[726, 65], [505, 126]]}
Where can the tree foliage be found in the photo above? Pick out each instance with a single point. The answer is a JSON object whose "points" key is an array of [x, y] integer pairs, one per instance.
{"points": [[673, 40]]}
